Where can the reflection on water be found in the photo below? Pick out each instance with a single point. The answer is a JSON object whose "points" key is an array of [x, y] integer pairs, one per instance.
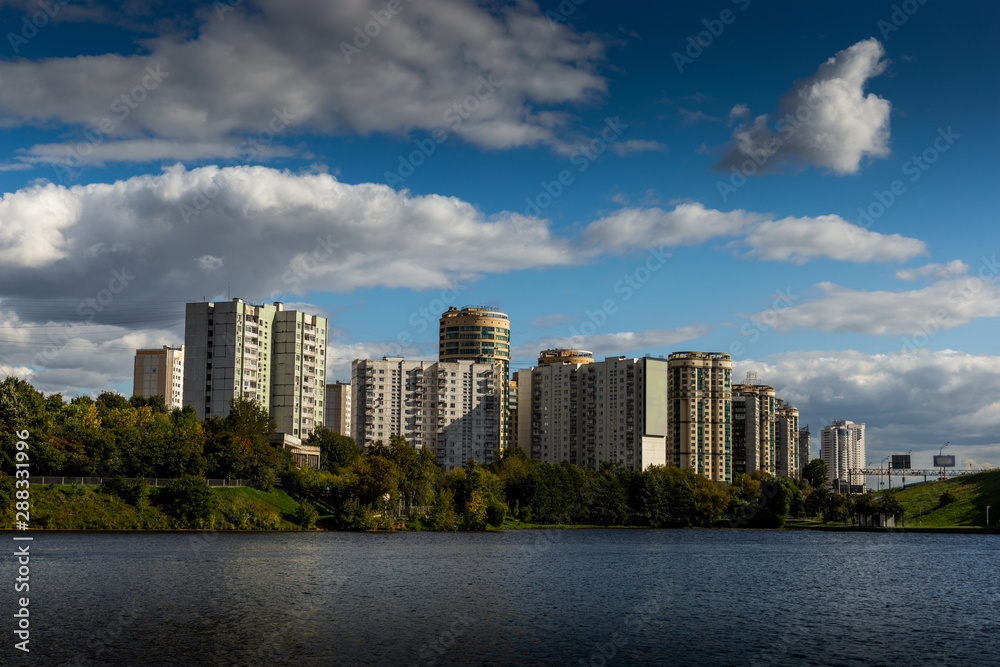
{"points": [[616, 597]]}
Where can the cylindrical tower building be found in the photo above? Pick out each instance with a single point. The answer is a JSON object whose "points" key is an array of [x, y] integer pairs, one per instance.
{"points": [[565, 355]]}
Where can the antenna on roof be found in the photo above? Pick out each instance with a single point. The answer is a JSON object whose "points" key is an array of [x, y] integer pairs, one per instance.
{"points": [[751, 377]]}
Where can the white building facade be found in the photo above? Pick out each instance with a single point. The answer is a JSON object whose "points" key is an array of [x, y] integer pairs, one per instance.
{"points": [[263, 353], [589, 413], [451, 407], [843, 449]]}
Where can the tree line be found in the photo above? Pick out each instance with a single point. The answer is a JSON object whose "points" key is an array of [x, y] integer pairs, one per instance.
{"points": [[382, 486]]}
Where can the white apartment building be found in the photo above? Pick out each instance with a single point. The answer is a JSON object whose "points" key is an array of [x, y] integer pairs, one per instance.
{"points": [[451, 407], [589, 413], [160, 373], [264, 353], [843, 449]]}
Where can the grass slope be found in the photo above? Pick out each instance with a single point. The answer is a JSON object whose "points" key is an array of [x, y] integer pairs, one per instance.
{"points": [[73, 507], [972, 493]]}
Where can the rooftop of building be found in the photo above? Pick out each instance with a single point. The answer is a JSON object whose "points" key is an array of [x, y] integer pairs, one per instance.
{"points": [[478, 311]]}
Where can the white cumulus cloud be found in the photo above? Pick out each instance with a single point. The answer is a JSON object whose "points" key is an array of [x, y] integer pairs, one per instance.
{"points": [[495, 75], [825, 120]]}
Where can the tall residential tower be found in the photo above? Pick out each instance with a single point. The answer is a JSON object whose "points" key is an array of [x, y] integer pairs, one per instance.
{"points": [[160, 373], [700, 401], [263, 353]]}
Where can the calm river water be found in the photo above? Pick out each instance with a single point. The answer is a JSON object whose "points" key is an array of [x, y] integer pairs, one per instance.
{"points": [[591, 597]]}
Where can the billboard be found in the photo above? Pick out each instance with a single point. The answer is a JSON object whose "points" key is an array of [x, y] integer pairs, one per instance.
{"points": [[944, 461], [900, 462]]}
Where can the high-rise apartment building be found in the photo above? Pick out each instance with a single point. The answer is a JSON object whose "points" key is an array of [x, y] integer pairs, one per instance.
{"points": [[160, 373], [588, 413], [263, 353], [805, 446], [787, 463], [482, 335], [754, 435], [453, 407], [513, 402], [551, 412], [843, 449], [700, 403], [339, 408]]}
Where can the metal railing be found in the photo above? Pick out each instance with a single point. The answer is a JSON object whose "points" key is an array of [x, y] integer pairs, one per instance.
{"points": [[151, 481]]}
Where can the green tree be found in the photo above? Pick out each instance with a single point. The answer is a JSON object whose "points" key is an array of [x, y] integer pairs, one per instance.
{"points": [[336, 451], [442, 515], [373, 478], [21, 406], [249, 419], [838, 508], [189, 500], [609, 501], [666, 496], [134, 492], [710, 501], [815, 473], [305, 515]]}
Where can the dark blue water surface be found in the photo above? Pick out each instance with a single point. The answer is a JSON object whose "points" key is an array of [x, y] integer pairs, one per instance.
{"points": [[593, 597]]}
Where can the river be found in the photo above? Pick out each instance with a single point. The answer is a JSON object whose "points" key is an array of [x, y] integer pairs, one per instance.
{"points": [[541, 597]]}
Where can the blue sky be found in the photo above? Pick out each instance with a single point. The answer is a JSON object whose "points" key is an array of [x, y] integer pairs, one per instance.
{"points": [[627, 179]]}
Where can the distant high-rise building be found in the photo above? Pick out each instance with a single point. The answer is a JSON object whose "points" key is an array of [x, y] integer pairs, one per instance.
{"points": [[843, 449], [453, 408], [700, 403], [482, 335], [160, 373], [788, 463], [512, 410], [339, 408], [475, 333], [263, 353], [589, 413], [552, 412], [753, 422], [805, 446]]}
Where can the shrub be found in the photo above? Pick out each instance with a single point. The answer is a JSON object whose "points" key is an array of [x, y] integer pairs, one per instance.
{"points": [[189, 500], [305, 515]]}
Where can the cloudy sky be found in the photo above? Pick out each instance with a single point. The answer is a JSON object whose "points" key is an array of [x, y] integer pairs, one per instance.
{"points": [[803, 186]]}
